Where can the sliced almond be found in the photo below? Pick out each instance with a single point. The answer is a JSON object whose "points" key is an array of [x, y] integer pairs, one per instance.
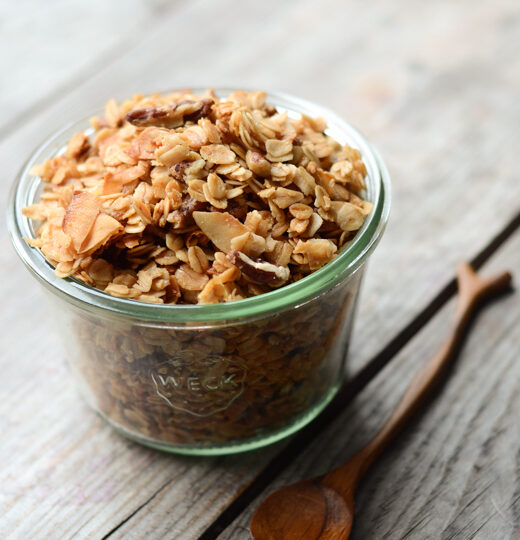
{"points": [[314, 224], [250, 243]]}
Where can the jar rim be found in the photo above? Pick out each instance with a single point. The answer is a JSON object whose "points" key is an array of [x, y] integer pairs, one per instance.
{"points": [[89, 298]]}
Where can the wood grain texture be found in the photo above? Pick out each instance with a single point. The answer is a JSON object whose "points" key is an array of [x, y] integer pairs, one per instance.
{"points": [[455, 472], [436, 92], [49, 47]]}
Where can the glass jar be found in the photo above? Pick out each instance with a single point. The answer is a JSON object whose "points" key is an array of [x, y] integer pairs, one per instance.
{"points": [[211, 379]]}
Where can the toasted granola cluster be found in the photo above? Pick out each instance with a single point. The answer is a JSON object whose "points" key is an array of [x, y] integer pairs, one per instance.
{"points": [[191, 199]]}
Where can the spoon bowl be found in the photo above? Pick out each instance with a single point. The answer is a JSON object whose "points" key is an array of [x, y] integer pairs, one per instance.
{"points": [[322, 508], [321, 513]]}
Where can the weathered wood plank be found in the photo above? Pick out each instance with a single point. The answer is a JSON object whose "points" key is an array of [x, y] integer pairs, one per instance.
{"points": [[454, 473], [49, 47], [430, 115]]}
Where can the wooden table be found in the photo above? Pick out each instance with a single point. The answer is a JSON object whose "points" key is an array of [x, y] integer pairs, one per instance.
{"points": [[435, 85]]}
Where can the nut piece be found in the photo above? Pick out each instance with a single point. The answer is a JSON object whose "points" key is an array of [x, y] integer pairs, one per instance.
{"points": [[152, 116], [170, 116], [147, 206], [249, 243], [259, 270], [220, 228], [183, 217], [258, 164], [202, 109]]}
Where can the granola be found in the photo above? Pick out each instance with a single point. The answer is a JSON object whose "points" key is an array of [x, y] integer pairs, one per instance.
{"points": [[181, 199], [185, 199], [215, 386]]}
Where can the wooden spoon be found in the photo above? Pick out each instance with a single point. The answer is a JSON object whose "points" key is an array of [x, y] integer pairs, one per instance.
{"points": [[322, 508]]}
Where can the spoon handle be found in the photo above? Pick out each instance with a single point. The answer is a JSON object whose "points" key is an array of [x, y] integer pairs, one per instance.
{"points": [[472, 290]]}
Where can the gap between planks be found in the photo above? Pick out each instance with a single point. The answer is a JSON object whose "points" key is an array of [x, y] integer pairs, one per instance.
{"points": [[130, 516], [346, 394], [387, 355], [349, 391]]}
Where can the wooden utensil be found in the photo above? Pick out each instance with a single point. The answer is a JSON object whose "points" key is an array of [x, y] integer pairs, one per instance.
{"points": [[322, 508]]}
